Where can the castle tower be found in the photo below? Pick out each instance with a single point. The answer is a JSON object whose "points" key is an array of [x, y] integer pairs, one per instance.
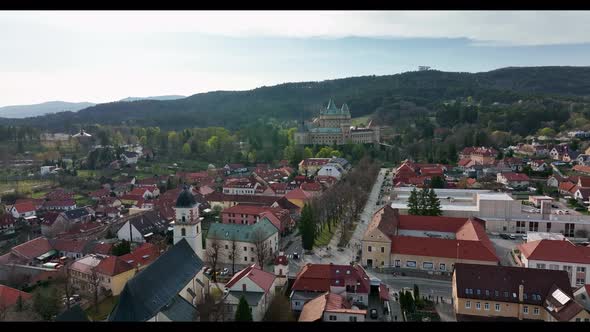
{"points": [[187, 224]]}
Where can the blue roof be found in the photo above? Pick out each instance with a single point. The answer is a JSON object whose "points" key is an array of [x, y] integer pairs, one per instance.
{"points": [[242, 233], [326, 130], [150, 291], [180, 310]]}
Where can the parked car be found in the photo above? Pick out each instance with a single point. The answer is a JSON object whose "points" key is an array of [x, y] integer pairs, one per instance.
{"points": [[512, 237], [505, 236], [374, 314], [225, 271]]}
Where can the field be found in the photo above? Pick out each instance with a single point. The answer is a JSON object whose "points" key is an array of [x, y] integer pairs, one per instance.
{"points": [[24, 186], [361, 121]]}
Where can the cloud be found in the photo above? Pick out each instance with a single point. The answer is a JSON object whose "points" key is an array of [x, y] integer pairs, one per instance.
{"points": [[506, 28]]}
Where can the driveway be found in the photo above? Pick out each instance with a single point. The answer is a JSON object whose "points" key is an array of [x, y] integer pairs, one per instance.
{"points": [[504, 247]]}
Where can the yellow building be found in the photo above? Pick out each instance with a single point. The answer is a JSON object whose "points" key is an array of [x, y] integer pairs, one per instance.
{"points": [[482, 292], [111, 273]]}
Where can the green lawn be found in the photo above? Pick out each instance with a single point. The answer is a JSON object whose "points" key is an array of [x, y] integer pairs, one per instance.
{"points": [[324, 237], [86, 173], [82, 200], [104, 309], [25, 186], [39, 194], [363, 120]]}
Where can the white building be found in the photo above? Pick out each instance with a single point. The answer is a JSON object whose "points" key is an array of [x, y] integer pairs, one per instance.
{"points": [[257, 287]]}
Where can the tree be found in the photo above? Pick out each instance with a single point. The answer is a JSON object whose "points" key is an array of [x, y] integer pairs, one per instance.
{"points": [[186, 149], [307, 227], [243, 312], [437, 182], [94, 282], [260, 247], [423, 201], [212, 257], [413, 206], [416, 292], [307, 153], [46, 303], [279, 309], [66, 279], [433, 204], [233, 251], [549, 132], [121, 248]]}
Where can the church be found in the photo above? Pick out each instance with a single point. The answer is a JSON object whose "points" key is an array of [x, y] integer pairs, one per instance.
{"points": [[334, 126]]}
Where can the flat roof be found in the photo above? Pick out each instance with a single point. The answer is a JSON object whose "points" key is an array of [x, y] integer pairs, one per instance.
{"points": [[442, 206], [496, 197]]}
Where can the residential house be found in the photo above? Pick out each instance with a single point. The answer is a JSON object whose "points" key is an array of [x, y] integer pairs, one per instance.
{"points": [[512, 163], [111, 273], [539, 165], [298, 197], [482, 292], [129, 157], [330, 307], [256, 286], [142, 256], [349, 281], [141, 226], [582, 169], [583, 159], [336, 167], [249, 240], [99, 194], [243, 186], [33, 252], [555, 180], [47, 170], [479, 155], [7, 222], [582, 296], [167, 290], [567, 188], [514, 180], [311, 166], [558, 255], [424, 242], [563, 152], [250, 214], [23, 209], [9, 297], [60, 205], [72, 248]]}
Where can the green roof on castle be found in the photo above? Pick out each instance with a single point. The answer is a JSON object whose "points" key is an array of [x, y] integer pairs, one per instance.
{"points": [[333, 110], [242, 233], [325, 130]]}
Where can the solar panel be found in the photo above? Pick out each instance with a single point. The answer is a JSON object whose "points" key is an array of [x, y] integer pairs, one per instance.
{"points": [[560, 296]]}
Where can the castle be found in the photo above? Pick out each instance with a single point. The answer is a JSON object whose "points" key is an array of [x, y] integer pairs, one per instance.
{"points": [[334, 126]]}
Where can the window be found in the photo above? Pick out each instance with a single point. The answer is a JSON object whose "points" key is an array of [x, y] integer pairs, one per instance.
{"points": [[245, 259], [296, 303], [525, 310], [553, 267], [486, 306], [478, 291], [505, 294], [397, 263], [548, 227], [226, 247], [487, 292], [579, 281], [369, 248], [332, 317], [524, 296], [252, 249], [352, 318], [411, 264], [497, 307], [382, 250], [427, 266], [251, 259], [183, 230], [467, 304], [496, 293], [578, 320], [536, 311], [442, 267], [245, 249], [580, 269], [468, 291], [477, 305], [540, 266]]}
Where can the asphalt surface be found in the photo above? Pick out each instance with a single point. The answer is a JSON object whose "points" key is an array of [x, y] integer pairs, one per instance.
{"points": [[503, 248]]}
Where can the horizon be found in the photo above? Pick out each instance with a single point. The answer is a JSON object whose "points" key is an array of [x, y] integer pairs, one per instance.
{"points": [[104, 56]]}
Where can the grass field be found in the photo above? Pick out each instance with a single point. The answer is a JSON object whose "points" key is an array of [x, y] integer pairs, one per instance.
{"points": [[25, 186], [104, 309], [39, 194], [82, 200], [85, 173], [324, 237]]}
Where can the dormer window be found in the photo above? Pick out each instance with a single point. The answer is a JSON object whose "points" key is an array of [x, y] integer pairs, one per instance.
{"points": [[337, 271], [183, 231], [337, 282], [348, 272]]}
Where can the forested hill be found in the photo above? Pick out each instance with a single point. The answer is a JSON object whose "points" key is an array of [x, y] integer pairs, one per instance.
{"points": [[365, 95]]}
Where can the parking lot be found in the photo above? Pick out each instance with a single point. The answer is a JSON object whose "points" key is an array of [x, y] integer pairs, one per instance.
{"points": [[504, 247]]}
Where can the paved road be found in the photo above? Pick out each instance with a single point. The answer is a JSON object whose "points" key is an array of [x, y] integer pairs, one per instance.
{"points": [[503, 248], [427, 286]]}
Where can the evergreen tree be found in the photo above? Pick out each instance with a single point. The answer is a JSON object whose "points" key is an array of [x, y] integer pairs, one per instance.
{"points": [[416, 292], [423, 202], [243, 313], [433, 204], [437, 182], [413, 208], [307, 227]]}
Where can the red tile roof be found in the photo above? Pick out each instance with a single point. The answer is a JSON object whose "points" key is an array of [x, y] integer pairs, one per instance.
{"points": [[9, 296], [25, 206], [100, 193], [113, 266], [102, 248], [298, 194], [60, 203], [319, 278], [138, 191], [282, 260], [428, 223], [49, 217], [327, 302], [142, 255], [584, 181], [7, 220], [582, 169], [69, 245], [383, 292], [314, 161], [567, 186], [436, 247], [311, 186], [515, 176], [555, 251], [32, 249], [252, 199], [253, 272]]}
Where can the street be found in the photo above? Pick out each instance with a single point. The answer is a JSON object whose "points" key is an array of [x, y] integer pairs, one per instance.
{"points": [[503, 248]]}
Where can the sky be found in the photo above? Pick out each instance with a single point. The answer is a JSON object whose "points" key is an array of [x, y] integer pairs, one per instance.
{"points": [[105, 56]]}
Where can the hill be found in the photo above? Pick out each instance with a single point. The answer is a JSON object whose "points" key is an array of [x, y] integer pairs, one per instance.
{"points": [[23, 111], [167, 97], [365, 95]]}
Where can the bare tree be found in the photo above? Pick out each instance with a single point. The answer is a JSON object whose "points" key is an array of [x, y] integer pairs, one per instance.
{"points": [[233, 247], [212, 307], [94, 282], [212, 257], [260, 247], [65, 277]]}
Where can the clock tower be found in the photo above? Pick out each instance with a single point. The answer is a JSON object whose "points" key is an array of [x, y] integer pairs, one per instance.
{"points": [[187, 224]]}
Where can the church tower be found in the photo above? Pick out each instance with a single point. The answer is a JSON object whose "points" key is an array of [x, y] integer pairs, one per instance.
{"points": [[187, 224]]}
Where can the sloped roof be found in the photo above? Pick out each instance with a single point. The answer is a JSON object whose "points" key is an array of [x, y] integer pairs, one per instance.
{"points": [[23, 207], [143, 255], [76, 213], [242, 233], [148, 222], [437, 247], [69, 245], [180, 310], [9, 296], [34, 248], [298, 194], [253, 272], [314, 309], [555, 251], [515, 176], [386, 220], [566, 186], [113, 266], [158, 284], [319, 277], [7, 219]]}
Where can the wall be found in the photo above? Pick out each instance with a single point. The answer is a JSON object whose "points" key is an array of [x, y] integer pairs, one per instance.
{"points": [[506, 309], [533, 264], [250, 254], [342, 317], [118, 282], [449, 262], [378, 258], [123, 233]]}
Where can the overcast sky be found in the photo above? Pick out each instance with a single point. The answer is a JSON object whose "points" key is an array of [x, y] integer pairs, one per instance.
{"points": [[105, 56]]}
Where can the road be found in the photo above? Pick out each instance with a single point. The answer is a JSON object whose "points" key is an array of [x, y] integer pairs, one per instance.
{"points": [[427, 286], [324, 255], [504, 247]]}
